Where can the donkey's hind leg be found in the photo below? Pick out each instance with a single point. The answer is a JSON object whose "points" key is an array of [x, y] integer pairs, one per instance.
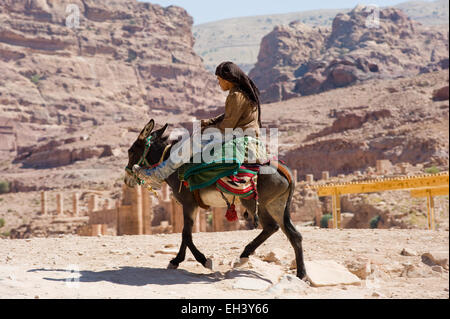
{"points": [[281, 214], [269, 228]]}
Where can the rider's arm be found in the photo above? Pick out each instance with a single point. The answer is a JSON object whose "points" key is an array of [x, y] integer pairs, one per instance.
{"points": [[212, 121], [234, 108]]}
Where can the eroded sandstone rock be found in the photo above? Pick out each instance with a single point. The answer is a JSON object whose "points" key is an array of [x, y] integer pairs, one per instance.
{"points": [[300, 60]]}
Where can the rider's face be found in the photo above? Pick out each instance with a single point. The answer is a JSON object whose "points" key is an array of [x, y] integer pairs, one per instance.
{"points": [[224, 84]]}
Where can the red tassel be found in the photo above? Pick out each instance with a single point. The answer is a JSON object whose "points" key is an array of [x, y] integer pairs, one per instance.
{"points": [[186, 184], [234, 179], [231, 214]]}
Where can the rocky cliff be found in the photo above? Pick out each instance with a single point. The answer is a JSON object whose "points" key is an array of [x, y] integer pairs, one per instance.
{"points": [[348, 129], [71, 62], [239, 39], [360, 45]]}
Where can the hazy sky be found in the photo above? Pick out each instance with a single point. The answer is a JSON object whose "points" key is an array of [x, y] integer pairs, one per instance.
{"points": [[211, 10]]}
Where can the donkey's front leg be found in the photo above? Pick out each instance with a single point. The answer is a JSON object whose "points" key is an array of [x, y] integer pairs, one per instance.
{"points": [[189, 216], [175, 263]]}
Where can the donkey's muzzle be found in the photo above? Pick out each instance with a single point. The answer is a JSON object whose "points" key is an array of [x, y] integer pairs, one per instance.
{"points": [[129, 180]]}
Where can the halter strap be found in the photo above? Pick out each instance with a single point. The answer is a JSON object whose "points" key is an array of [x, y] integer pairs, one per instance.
{"points": [[143, 160]]}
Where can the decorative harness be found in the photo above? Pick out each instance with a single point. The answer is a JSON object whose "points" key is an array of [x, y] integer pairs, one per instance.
{"points": [[143, 160]]}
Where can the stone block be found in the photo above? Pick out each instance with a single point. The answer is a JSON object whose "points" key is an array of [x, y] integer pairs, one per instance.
{"points": [[322, 273]]}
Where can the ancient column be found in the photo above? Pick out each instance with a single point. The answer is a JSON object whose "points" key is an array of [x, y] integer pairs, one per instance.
{"points": [[136, 209], [126, 195], [59, 204], [310, 178], [325, 176], [383, 167], [165, 191], [106, 204], [295, 172], [202, 217], [404, 168], [124, 211], [177, 217], [75, 204], [147, 211], [196, 228], [167, 203], [218, 216], [92, 204], [44, 203]]}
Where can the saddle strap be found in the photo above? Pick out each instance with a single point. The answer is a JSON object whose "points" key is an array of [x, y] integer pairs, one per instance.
{"points": [[199, 200], [282, 169]]}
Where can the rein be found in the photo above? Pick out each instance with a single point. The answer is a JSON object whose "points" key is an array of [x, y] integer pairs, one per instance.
{"points": [[143, 160]]}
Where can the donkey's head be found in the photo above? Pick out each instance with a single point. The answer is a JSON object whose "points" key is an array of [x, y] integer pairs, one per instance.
{"points": [[146, 151]]}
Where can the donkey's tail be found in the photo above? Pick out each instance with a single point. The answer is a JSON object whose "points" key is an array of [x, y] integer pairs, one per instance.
{"points": [[287, 173]]}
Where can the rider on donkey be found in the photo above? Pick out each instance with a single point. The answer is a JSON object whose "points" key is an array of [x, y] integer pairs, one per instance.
{"points": [[242, 111]]}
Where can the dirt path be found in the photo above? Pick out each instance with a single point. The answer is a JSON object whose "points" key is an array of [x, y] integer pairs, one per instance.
{"points": [[135, 266]]}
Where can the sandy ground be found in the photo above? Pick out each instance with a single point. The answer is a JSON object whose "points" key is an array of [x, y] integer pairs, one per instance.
{"points": [[135, 266]]}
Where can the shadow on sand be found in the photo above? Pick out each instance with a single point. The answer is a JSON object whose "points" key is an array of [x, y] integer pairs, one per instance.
{"points": [[138, 276]]}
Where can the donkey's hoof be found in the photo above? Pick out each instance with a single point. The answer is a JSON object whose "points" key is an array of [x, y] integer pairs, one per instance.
{"points": [[240, 262], [209, 264], [302, 275], [172, 266]]}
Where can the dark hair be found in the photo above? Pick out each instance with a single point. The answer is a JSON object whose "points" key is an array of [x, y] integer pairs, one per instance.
{"points": [[232, 73]]}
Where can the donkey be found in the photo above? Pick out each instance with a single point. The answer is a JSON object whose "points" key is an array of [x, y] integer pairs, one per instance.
{"points": [[274, 191]]}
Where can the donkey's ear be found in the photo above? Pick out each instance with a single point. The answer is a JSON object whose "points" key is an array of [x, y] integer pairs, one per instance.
{"points": [[161, 131], [147, 130]]}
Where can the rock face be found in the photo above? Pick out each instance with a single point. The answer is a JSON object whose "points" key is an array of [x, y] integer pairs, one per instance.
{"points": [[62, 152], [351, 155], [125, 59], [351, 121], [48, 227], [238, 39], [300, 60], [348, 130], [441, 94], [283, 50]]}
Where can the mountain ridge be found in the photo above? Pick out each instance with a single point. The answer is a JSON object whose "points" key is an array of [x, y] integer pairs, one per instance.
{"points": [[213, 42]]}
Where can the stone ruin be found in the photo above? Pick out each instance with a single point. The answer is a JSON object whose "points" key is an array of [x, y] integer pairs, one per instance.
{"points": [[308, 209], [134, 213]]}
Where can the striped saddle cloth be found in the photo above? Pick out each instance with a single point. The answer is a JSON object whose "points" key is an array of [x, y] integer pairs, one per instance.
{"points": [[243, 184]]}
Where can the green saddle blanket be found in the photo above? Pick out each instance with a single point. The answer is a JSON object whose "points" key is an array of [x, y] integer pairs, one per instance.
{"points": [[223, 160]]}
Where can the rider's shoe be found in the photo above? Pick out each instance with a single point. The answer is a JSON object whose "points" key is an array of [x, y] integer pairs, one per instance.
{"points": [[149, 176]]}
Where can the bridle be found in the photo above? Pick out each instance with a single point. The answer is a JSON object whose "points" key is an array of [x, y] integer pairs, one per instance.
{"points": [[143, 162]]}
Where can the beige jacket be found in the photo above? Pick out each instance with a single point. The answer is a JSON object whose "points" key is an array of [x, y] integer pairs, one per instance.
{"points": [[239, 113]]}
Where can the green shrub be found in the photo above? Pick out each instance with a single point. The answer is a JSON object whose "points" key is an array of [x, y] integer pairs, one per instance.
{"points": [[432, 170], [324, 220], [4, 187], [2, 222], [6, 234], [210, 219], [374, 222], [35, 79]]}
